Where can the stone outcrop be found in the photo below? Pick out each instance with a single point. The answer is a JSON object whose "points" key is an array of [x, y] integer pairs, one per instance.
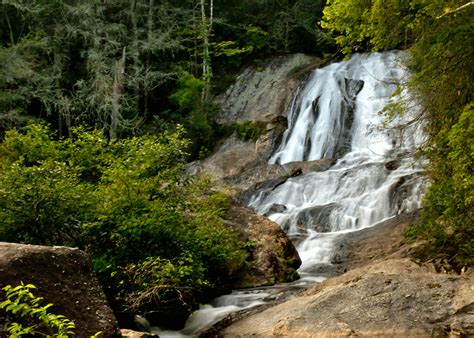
{"points": [[263, 94], [64, 277], [273, 257], [266, 175], [258, 95], [231, 158], [384, 292], [394, 297]]}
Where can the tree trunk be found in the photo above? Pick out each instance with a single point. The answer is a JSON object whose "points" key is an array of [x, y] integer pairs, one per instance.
{"points": [[206, 27], [146, 89], [117, 95], [12, 40], [135, 54]]}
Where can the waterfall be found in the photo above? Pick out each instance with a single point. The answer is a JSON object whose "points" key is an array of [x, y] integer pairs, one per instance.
{"points": [[337, 116]]}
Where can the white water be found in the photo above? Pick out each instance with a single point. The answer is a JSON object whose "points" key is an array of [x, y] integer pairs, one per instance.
{"points": [[358, 191], [334, 118]]}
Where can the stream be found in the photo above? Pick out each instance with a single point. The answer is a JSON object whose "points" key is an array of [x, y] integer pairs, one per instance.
{"points": [[374, 176]]}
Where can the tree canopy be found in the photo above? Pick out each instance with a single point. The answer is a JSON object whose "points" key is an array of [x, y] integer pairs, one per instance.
{"points": [[113, 65]]}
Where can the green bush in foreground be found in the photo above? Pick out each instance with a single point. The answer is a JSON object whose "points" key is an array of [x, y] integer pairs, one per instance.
{"points": [[30, 317], [129, 204]]}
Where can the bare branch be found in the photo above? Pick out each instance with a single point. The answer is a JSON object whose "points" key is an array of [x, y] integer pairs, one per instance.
{"points": [[456, 10]]}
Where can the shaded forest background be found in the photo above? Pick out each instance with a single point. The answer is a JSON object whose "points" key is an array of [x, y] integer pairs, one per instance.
{"points": [[141, 66], [102, 102]]}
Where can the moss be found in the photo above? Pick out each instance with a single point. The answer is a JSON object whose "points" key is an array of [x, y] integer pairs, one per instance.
{"points": [[291, 276], [244, 131]]}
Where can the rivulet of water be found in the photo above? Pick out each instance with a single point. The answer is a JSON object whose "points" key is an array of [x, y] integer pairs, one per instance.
{"points": [[337, 116]]}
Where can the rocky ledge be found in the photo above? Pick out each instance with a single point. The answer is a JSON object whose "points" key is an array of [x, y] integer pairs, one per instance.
{"points": [[384, 292]]}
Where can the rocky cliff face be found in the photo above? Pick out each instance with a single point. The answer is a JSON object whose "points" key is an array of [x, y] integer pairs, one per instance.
{"points": [[63, 276], [265, 94], [258, 95]]}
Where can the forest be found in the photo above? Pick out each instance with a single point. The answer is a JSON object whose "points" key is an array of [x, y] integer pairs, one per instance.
{"points": [[103, 102]]}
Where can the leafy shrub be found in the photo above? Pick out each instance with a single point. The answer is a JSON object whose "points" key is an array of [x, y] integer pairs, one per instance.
{"points": [[448, 213], [30, 318], [42, 198], [128, 203]]}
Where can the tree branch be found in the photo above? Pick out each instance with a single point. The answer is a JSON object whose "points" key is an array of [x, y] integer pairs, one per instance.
{"points": [[456, 10]]}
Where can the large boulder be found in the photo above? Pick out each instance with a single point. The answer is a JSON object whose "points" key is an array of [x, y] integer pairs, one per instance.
{"points": [[64, 277], [273, 257]]}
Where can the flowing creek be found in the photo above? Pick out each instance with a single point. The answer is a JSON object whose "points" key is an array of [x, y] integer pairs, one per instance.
{"points": [[335, 116]]}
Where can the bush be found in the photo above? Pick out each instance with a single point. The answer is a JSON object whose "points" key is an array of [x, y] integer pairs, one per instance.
{"points": [[42, 198], [129, 204], [28, 317], [448, 207]]}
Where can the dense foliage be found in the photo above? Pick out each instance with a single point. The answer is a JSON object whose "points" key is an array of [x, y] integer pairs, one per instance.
{"points": [[155, 234], [439, 35]]}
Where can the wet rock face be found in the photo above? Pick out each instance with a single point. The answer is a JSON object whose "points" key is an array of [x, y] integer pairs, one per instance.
{"points": [[353, 87], [258, 95], [264, 94], [273, 257], [317, 216], [64, 277]]}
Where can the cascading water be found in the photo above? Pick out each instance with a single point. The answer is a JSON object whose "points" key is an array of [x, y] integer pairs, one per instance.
{"points": [[336, 117]]}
